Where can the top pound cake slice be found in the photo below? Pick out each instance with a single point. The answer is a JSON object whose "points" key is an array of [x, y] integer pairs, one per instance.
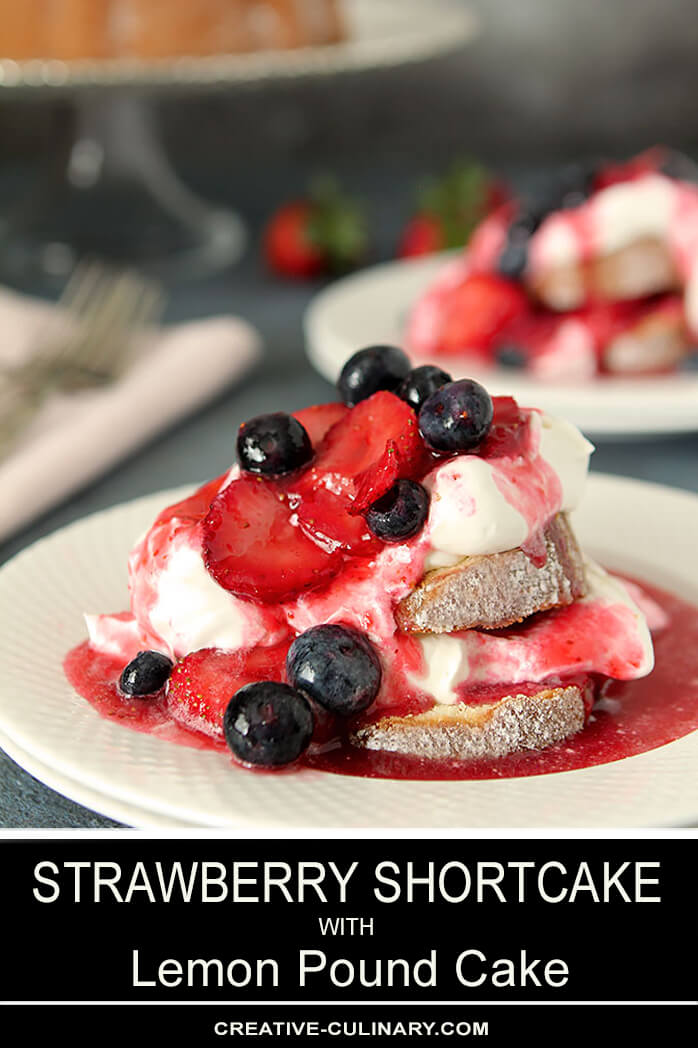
{"points": [[490, 592]]}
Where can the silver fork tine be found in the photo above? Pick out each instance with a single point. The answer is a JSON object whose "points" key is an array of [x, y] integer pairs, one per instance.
{"points": [[79, 299], [119, 303], [102, 323], [54, 348], [131, 305], [104, 310]]}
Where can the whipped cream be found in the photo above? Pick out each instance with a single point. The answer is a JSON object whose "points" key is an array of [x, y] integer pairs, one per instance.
{"points": [[192, 611], [179, 606], [605, 633]]}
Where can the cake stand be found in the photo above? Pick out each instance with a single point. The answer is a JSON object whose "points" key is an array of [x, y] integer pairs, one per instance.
{"points": [[115, 166]]}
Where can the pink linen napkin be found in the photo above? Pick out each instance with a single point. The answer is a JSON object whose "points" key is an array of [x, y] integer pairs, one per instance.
{"points": [[76, 437]]}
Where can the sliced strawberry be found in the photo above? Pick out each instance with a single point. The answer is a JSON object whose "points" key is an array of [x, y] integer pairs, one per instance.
{"points": [[508, 432], [377, 479], [357, 442], [642, 164], [479, 310], [252, 549], [202, 683], [319, 418], [422, 235], [290, 245], [324, 516], [362, 456], [505, 411], [324, 232], [196, 506]]}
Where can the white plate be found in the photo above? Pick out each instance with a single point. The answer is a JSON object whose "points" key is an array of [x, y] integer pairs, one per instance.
{"points": [[371, 307], [645, 529], [111, 807], [380, 33]]}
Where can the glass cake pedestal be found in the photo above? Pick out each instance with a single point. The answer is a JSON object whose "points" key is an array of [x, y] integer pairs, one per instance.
{"points": [[116, 163]]}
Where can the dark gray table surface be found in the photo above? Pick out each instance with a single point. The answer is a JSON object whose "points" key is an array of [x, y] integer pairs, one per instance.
{"points": [[201, 447]]}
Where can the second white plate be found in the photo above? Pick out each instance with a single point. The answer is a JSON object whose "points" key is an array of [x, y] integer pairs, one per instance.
{"points": [[371, 307], [640, 528]]}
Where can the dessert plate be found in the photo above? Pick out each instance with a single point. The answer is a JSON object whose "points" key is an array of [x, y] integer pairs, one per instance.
{"points": [[371, 307], [642, 529], [111, 807]]}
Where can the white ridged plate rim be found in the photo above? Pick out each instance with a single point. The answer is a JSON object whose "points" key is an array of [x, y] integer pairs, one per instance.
{"points": [[645, 529], [371, 307], [102, 804]]}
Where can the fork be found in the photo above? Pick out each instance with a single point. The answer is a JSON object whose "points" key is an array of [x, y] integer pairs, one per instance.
{"points": [[103, 310]]}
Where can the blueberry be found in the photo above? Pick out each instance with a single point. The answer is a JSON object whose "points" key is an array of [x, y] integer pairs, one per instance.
{"points": [[457, 417], [565, 187], [533, 208], [514, 256], [509, 355], [370, 370], [529, 216], [575, 183], [400, 513], [421, 383], [146, 674], [336, 666], [268, 723], [273, 445]]}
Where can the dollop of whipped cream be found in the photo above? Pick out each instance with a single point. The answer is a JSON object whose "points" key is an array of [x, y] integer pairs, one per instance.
{"points": [[484, 506]]}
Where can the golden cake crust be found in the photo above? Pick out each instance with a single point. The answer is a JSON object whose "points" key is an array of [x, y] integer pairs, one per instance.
{"points": [[517, 722]]}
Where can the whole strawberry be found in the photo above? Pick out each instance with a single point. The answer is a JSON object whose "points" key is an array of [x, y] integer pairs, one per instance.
{"points": [[324, 233], [448, 209]]}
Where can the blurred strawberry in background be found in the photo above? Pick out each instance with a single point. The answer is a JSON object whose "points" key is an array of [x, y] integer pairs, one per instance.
{"points": [[449, 208], [323, 233]]}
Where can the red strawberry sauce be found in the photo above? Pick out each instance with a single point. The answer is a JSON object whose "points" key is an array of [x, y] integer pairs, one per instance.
{"points": [[630, 718]]}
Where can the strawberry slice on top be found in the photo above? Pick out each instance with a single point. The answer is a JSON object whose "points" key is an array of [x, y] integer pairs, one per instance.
{"points": [[252, 548], [272, 539], [358, 440], [324, 517], [196, 506], [319, 418], [373, 445]]}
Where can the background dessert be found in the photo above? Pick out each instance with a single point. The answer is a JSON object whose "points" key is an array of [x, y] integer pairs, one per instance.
{"points": [[595, 274]]}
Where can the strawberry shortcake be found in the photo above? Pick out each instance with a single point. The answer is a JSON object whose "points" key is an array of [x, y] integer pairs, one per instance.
{"points": [[595, 273], [392, 573]]}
